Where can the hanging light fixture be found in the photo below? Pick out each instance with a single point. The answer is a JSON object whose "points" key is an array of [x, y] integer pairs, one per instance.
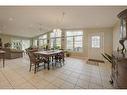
{"points": [[58, 29], [60, 23]]}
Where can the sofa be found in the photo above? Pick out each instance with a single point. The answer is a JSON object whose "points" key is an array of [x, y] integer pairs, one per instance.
{"points": [[12, 53]]}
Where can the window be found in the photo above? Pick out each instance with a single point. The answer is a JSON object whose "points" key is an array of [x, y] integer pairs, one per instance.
{"points": [[35, 42], [20, 44], [70, 43], [25, 44], [55, 33], [42, 40], [16, 44], [55, 38], [78, 43], [74, 40], [95, 41]]}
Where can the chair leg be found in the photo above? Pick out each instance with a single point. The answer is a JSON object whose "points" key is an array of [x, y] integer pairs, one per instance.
{"points": [[35, 69], [63, 60], [52, 58], [44, 65], [60, 63], [55, 62], [30, 67], [52, 64]]}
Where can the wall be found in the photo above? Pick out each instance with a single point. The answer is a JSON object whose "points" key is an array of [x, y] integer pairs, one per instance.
{"points": [[116, 37], [108, 40], [5, 38]]}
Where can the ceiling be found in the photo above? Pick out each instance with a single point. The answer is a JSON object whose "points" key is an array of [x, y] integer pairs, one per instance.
{"points": [[29, 21]]}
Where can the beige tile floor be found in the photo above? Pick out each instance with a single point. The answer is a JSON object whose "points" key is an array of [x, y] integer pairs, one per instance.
{"points": [[75, 74]]}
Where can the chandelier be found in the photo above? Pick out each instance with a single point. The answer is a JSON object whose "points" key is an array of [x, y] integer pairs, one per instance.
{"points": [[60, 23]]}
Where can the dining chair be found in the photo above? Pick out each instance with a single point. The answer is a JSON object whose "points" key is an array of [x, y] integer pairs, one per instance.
{"points": [[35, 61], [59, 58]]}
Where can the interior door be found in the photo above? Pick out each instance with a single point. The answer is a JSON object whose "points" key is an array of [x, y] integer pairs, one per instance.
{"points": [[95, 45]]}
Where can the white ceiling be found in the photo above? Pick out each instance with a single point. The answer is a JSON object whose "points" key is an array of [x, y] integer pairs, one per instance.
{"points": [[27, 21]]}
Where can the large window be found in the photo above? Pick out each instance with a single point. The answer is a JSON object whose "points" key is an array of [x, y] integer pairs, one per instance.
{"points": [[35, 44], [43, 40], [16, 44], [20, 44], [55, 39], [74, 40], [25, 44]]}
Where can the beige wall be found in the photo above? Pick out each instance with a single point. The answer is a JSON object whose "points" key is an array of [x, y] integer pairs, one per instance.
{"points": [[5, 38], [116, 37], [108, 38]]}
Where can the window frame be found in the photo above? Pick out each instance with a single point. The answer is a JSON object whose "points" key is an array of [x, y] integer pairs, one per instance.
{"points": [[40, 38], [96, 41], [19, 41], [56, 37], [74, 37]]}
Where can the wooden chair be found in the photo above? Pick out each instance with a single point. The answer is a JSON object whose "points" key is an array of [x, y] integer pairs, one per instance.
{"points": [[35, 61], [59, 58]]}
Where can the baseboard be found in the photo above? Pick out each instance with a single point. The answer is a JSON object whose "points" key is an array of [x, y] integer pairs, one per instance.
{"points": [[84, 58]]}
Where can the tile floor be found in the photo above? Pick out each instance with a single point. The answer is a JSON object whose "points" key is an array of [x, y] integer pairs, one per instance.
{"points": [[75, 74]]}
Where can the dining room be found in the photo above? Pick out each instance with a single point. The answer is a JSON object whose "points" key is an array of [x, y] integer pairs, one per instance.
{"points": [[58, 47]]}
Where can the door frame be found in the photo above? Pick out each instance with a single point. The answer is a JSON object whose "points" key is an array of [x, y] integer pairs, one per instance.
{"points": [[89, 41]]}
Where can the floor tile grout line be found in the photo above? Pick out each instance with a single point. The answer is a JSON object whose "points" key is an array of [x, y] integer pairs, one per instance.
{"points": [[101, 76], [25, 79], [29, 82], [76, 82], [7, 79], [68, 81]]}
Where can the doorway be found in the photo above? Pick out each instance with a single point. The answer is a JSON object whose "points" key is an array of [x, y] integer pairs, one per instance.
{"points": [[95, 45]]}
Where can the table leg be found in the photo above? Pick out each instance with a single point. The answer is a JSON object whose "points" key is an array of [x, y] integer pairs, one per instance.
{"points": [[3, 60], [48, 63]]}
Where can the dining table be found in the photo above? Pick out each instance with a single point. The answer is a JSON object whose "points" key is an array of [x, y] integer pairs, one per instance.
{"points": [[2, 55], [48, 54]]}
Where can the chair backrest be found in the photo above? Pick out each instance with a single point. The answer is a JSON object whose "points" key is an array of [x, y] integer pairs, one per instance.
{"points": [[32, 57], [60, 55]]}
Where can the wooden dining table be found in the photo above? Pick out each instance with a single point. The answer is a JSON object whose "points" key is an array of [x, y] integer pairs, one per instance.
{"points": [[2, 55], [48, 54]]}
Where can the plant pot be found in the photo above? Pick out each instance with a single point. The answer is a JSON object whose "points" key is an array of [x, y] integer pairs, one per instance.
{"points": [[67, 55]]}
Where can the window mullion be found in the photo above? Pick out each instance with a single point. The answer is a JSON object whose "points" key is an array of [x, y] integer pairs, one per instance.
{"points": [[73, 42]]}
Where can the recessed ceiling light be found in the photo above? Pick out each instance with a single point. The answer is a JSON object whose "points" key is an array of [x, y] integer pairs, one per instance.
{"points": [[11, 19]]}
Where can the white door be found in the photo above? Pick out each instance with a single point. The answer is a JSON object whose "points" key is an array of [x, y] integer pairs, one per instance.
{"points": [[96, 45]]}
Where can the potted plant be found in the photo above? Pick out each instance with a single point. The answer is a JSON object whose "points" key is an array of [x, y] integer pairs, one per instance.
{"points": [[67, 54]]}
